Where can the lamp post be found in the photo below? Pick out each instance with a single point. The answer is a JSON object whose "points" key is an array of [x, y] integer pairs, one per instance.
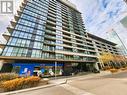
{"points": [[55, 68]]}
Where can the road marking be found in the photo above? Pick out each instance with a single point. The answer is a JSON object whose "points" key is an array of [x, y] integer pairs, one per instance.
{"points": [[75, 90]]}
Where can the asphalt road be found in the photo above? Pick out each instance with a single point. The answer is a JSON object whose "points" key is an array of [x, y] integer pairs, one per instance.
{"points": [[115, 84]]}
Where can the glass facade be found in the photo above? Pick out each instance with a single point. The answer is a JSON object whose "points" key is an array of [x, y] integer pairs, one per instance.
{"points": [[49, 29], [44, 27]]}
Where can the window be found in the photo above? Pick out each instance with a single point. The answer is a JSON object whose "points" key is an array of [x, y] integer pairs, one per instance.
{"points": [[9, 51], [59, 56], [20, 52], [38, 45], [45, 55], [38, 38], [59, 27], [21, 34], [59, 47], [16, 69], [36, 53], [16, 33], [24, 52], [4, 51], [23, 43], [15, 51], [41, 27], [13, 41], [59, 42], [27, 43], [18, 42], [40, 32]]}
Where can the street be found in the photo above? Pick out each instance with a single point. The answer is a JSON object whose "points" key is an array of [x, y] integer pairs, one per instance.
{"points": [[115, 84]]}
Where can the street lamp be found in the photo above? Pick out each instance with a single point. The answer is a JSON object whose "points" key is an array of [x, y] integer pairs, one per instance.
{"points": [[55, 68]]}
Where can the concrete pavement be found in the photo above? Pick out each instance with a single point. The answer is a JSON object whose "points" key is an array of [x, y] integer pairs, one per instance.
{"points": [[75, 90], [93, 84], [114, 84]]}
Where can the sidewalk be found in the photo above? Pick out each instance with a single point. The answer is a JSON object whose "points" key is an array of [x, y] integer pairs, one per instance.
{"points": [[59, 82], [69, 79]]}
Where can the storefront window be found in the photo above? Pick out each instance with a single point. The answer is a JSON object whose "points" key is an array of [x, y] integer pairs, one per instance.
{"points": [[43, 69], [16, 69]]}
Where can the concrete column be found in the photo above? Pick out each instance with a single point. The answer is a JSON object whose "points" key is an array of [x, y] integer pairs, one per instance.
{"points": [[1, 64], [102, 65], [96, 66]]}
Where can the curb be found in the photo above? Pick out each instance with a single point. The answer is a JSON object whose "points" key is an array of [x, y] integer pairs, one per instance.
{"points": [[30, 89]]}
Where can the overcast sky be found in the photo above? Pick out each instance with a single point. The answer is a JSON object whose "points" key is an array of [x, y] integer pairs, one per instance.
{"points": [[101, 15], [98, 15]]}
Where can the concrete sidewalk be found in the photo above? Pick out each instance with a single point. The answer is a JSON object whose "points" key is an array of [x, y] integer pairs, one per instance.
{"points": [[69, 79], [59, 82]]}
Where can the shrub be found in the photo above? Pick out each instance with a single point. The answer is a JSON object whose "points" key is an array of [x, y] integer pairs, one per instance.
{"points": [[44, 81], [113, 70], [8, 76], [123, 69], [20, 83]]}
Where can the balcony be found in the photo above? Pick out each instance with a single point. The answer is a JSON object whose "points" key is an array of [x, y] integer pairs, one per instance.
{"points": [[10, 29], [68, 49], [51, 32], [51, 15], [79, 42], [50, 27], [52, 9], [52, 5], [50, 37], [16, 17], [13, 23], [49, 50], [2, 45], [49, 57], [24, 4], [68, 58], [19, 12], [51, 23], [65, 28], [51, 12], [65, 23], [51, 43], [66, 43], [21, 8], [80, 46], [6, 36], [81, 51], [25, 1], [90, 45], [52, 18], [67, 38]]}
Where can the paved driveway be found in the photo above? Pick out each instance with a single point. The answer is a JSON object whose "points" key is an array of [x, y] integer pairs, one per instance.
{"points": [[115, 84]]}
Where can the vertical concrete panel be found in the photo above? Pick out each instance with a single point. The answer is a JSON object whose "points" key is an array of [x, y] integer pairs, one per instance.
{"points": [[1, 64], [96, 66]]}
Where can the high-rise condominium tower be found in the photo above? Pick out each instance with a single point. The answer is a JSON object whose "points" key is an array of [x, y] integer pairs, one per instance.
{"points": [[49, 33]]}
